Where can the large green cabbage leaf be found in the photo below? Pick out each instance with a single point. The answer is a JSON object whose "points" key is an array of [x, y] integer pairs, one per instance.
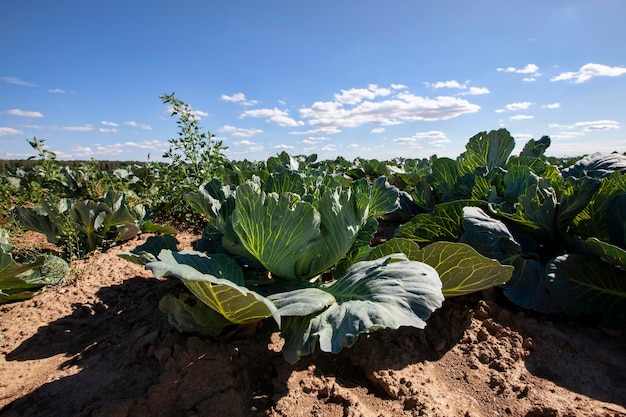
{"points": [[389, 292], [461, 268], [297, 239], [445, 222], [493, 239], [586, 285], [20, 281], [217, 281], [491, 150]]}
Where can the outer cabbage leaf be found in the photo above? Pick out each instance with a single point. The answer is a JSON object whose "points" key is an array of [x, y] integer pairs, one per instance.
{"points": [[376, 199], [617, 220], [612, 254], [285, 182], [535, 211], [385, 293], [443, 177], [586, 285], [444, 223], [461, 268], [597, 166], [195, 318], [36, 219], [150, 250], [595, 219], [493, 239], [217, 281], [23, 281], [574, 197], [491, 150], [395, 245], [535, 148]]}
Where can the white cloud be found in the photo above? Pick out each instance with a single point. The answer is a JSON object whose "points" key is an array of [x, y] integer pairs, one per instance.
{"points": [[57, 91], [523, 105], [378, 130], [199, 114], [473, 91], [312, 140], [139, 125], [4, 131], [398, 86], [525, 137], [518, 106], [84, 128], [589, 126], [24, 113], [354, 146], [528, 69], [597, 125], [112, 124], [588, 71], [356, 95], [566, 135], [327, 130], [98, 149], [275, 116], [521, 117], [283, 147], [17, 81], [256, 148], [552, 106], [529, 79], [439, 143], [447, 84], [434, 137], [155, 145], [107, 130], [329, 148], [238, 131], [244, 143], [476, 91], [404, 107], [239, 98]]}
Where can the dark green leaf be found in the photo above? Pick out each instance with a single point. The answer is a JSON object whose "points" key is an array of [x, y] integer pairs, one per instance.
{"points": [[586, 285]]}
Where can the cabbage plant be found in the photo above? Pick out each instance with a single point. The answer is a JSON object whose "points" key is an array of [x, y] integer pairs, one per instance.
{"points": [[21, 281], [296, 248]]}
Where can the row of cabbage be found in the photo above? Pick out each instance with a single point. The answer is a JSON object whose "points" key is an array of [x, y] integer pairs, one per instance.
{"points": [[290, 238]]}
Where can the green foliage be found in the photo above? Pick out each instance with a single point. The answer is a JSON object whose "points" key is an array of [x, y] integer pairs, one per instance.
{"points": [[296, 237], [80, 227], [20, 281], [301, 244], [462, 270], [195, 157], [389, 292]]}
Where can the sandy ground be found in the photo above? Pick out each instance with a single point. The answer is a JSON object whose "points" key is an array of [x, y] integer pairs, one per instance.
{"points": [[99, 346]]}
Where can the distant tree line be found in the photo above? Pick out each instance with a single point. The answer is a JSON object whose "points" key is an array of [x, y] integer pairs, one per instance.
{"points": [[11, 164]]}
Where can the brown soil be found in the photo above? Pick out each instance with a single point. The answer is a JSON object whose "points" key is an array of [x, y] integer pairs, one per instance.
{"points": [[99, 346]]}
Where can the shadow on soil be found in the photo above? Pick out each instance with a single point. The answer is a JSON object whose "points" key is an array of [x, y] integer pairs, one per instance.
{"points": [[579, 358], [574, 354], [124, 358]]}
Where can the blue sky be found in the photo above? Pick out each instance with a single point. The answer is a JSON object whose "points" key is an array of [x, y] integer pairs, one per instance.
{"points": [[356, 78]]}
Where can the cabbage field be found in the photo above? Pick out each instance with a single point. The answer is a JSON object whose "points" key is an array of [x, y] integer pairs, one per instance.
{"points": [[551, 236], [294, 241]]}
